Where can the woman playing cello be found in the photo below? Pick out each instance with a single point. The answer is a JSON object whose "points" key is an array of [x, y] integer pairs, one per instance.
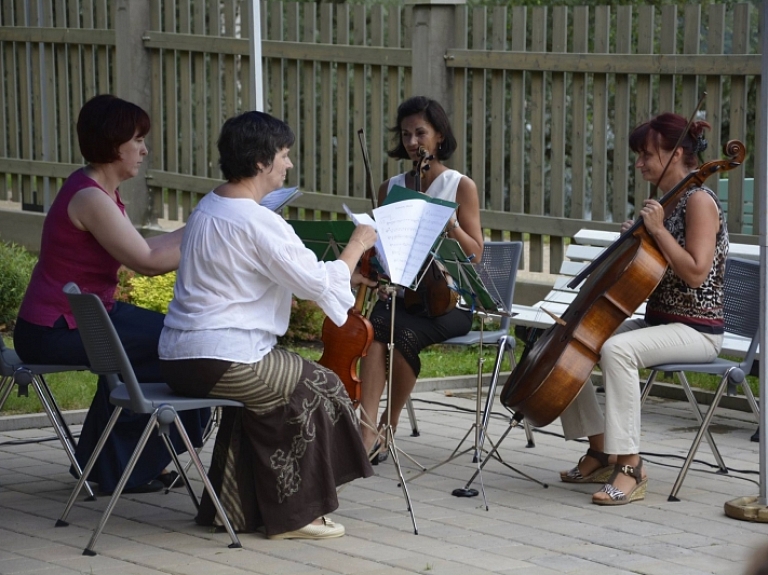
{"points": [[684, 315], [422, 128]]}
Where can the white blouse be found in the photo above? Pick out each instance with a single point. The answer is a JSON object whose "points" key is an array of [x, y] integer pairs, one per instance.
{"points": [[240, 263]]}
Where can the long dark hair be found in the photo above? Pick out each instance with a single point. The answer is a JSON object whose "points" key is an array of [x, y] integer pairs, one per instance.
{"points": [[434, 113]]}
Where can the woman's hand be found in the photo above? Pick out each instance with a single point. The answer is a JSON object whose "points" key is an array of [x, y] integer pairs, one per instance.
{"points": [[653, 217], [626, 225], [358, 279], [362, 239]]}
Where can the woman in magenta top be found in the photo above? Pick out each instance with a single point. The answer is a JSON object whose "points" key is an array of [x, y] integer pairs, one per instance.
{"points": [[86, 238]]}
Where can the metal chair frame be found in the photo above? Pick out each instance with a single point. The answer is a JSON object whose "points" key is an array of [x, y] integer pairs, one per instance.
{"points": [[742, 285], [108, 358], [13, 371]]}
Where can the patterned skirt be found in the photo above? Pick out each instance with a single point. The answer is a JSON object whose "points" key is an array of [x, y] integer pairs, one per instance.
{"points": [[277, 463]]}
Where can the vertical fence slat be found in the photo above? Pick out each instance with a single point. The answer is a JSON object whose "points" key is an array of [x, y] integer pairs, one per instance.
{"points": [[309, 93], [293, 110], [600, 119], [558, 134], [377, 121], [537, 152], [622, 118], [644, 91], [579, 114], [359, 104], [738, 114], [668, 45], [342, 104], [459, 121], [325, 111], [157, 133], [478, 103], [497, 119], [517, 128]]}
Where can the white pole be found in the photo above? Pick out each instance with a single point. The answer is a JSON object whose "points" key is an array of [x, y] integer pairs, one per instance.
{"points": [[761, 179], [254, 21]]}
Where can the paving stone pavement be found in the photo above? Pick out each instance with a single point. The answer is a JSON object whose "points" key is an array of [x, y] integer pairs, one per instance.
{"points": [[525, 529]]}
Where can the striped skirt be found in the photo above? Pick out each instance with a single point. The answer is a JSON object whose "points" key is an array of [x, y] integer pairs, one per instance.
{"points": [[277, 463]]}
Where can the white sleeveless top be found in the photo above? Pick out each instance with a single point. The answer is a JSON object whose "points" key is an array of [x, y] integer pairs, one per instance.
{"points": [[444, 187]]}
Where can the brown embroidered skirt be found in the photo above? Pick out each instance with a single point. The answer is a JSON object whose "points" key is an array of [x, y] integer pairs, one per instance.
{"points": [[277, 463]]}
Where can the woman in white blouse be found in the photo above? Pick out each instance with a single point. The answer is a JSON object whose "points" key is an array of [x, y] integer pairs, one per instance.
{"points": [[276, 463]]}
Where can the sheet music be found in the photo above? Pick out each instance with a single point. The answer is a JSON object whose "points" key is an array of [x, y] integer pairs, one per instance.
{"points": [[407, 230], [278, 199]]}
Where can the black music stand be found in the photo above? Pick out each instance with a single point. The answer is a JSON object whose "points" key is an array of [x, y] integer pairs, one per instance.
{"points": [[327, 238], [479, 299]]}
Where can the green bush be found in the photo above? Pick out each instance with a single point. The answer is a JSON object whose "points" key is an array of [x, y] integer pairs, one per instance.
{"points": [[153, 293], [16, 265], [306, 322]]}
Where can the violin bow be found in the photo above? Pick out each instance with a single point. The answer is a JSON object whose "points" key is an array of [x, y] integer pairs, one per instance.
{"points": [[367, 164], [655, 187]]}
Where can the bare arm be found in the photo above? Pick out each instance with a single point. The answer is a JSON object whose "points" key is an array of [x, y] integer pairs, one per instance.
{"points": [[702, 223], [469, 232], [92, 210]]}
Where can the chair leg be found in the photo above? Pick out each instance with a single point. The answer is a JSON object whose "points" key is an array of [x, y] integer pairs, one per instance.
{"points": [[59, 425], [703, 428], [697, 412], [646, 391], [62, 521], [151, 425], [412, 418], [208, 485], [6, 385], [210, 427]]}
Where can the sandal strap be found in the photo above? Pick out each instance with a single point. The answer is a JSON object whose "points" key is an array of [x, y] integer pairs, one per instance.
{"points": [[613, 493], [634, 471], [599, 455]]}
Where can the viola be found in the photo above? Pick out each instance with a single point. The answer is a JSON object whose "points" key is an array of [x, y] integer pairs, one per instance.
{"points": [[552, 372], [344, 346]]}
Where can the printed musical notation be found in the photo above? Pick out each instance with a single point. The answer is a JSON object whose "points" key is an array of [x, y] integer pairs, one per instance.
{"points": [[408, 227]]}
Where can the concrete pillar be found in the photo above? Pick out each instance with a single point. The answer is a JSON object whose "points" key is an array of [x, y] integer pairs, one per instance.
{"points": [[134, 83], [433, 33]]}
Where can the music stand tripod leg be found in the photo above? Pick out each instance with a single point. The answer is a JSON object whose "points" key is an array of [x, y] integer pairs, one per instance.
{"points": [[388, 430]]}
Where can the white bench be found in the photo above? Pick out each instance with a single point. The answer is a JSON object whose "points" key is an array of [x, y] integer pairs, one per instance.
{"points": [[586, 246]]}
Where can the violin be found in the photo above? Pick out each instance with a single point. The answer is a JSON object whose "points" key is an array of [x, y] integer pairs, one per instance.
{"points": [[552, 372], [433, 296], [344, 346]]}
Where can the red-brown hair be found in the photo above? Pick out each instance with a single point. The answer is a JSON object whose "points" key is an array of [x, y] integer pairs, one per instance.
{"points": [[663, 132]]}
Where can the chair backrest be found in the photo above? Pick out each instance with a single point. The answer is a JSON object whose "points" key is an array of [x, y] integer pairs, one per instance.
{"points": [[498, 270], [8, 360], [742, 292], [105, 351]]}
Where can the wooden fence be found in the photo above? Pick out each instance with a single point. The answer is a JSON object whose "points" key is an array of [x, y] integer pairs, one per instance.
{"points": [[542, 99]]}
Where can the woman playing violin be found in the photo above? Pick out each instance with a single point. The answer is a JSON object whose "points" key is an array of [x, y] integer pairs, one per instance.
{"points": [[422, 130], [684, 315]]}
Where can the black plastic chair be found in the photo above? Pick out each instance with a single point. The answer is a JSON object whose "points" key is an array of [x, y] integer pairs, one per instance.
{"points": [[14, 372], [108, 358], [742, 289]]}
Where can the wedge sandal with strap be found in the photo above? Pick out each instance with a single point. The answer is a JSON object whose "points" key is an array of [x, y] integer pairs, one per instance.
{"points": [[617, 496], [599, 475]]}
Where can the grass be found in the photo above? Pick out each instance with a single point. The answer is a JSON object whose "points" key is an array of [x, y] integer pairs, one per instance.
{"points": [[74, 390]]}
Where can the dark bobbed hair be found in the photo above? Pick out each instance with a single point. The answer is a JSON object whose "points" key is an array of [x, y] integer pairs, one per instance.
{"points": [[105, 123], [248, 139], [434, 113], [663, 132]]}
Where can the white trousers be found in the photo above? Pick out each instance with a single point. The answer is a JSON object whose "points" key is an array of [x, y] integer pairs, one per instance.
{"points": [[634, 346]]}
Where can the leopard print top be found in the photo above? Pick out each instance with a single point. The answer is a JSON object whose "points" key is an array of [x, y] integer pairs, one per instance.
{"points": [[674, 300]]}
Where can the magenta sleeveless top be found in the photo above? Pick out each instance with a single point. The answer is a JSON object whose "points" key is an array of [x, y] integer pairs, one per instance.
{"points": [[68, 254]]}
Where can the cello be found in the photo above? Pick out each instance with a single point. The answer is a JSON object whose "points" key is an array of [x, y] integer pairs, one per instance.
{"points": [[553, 371], [344, 346]]}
